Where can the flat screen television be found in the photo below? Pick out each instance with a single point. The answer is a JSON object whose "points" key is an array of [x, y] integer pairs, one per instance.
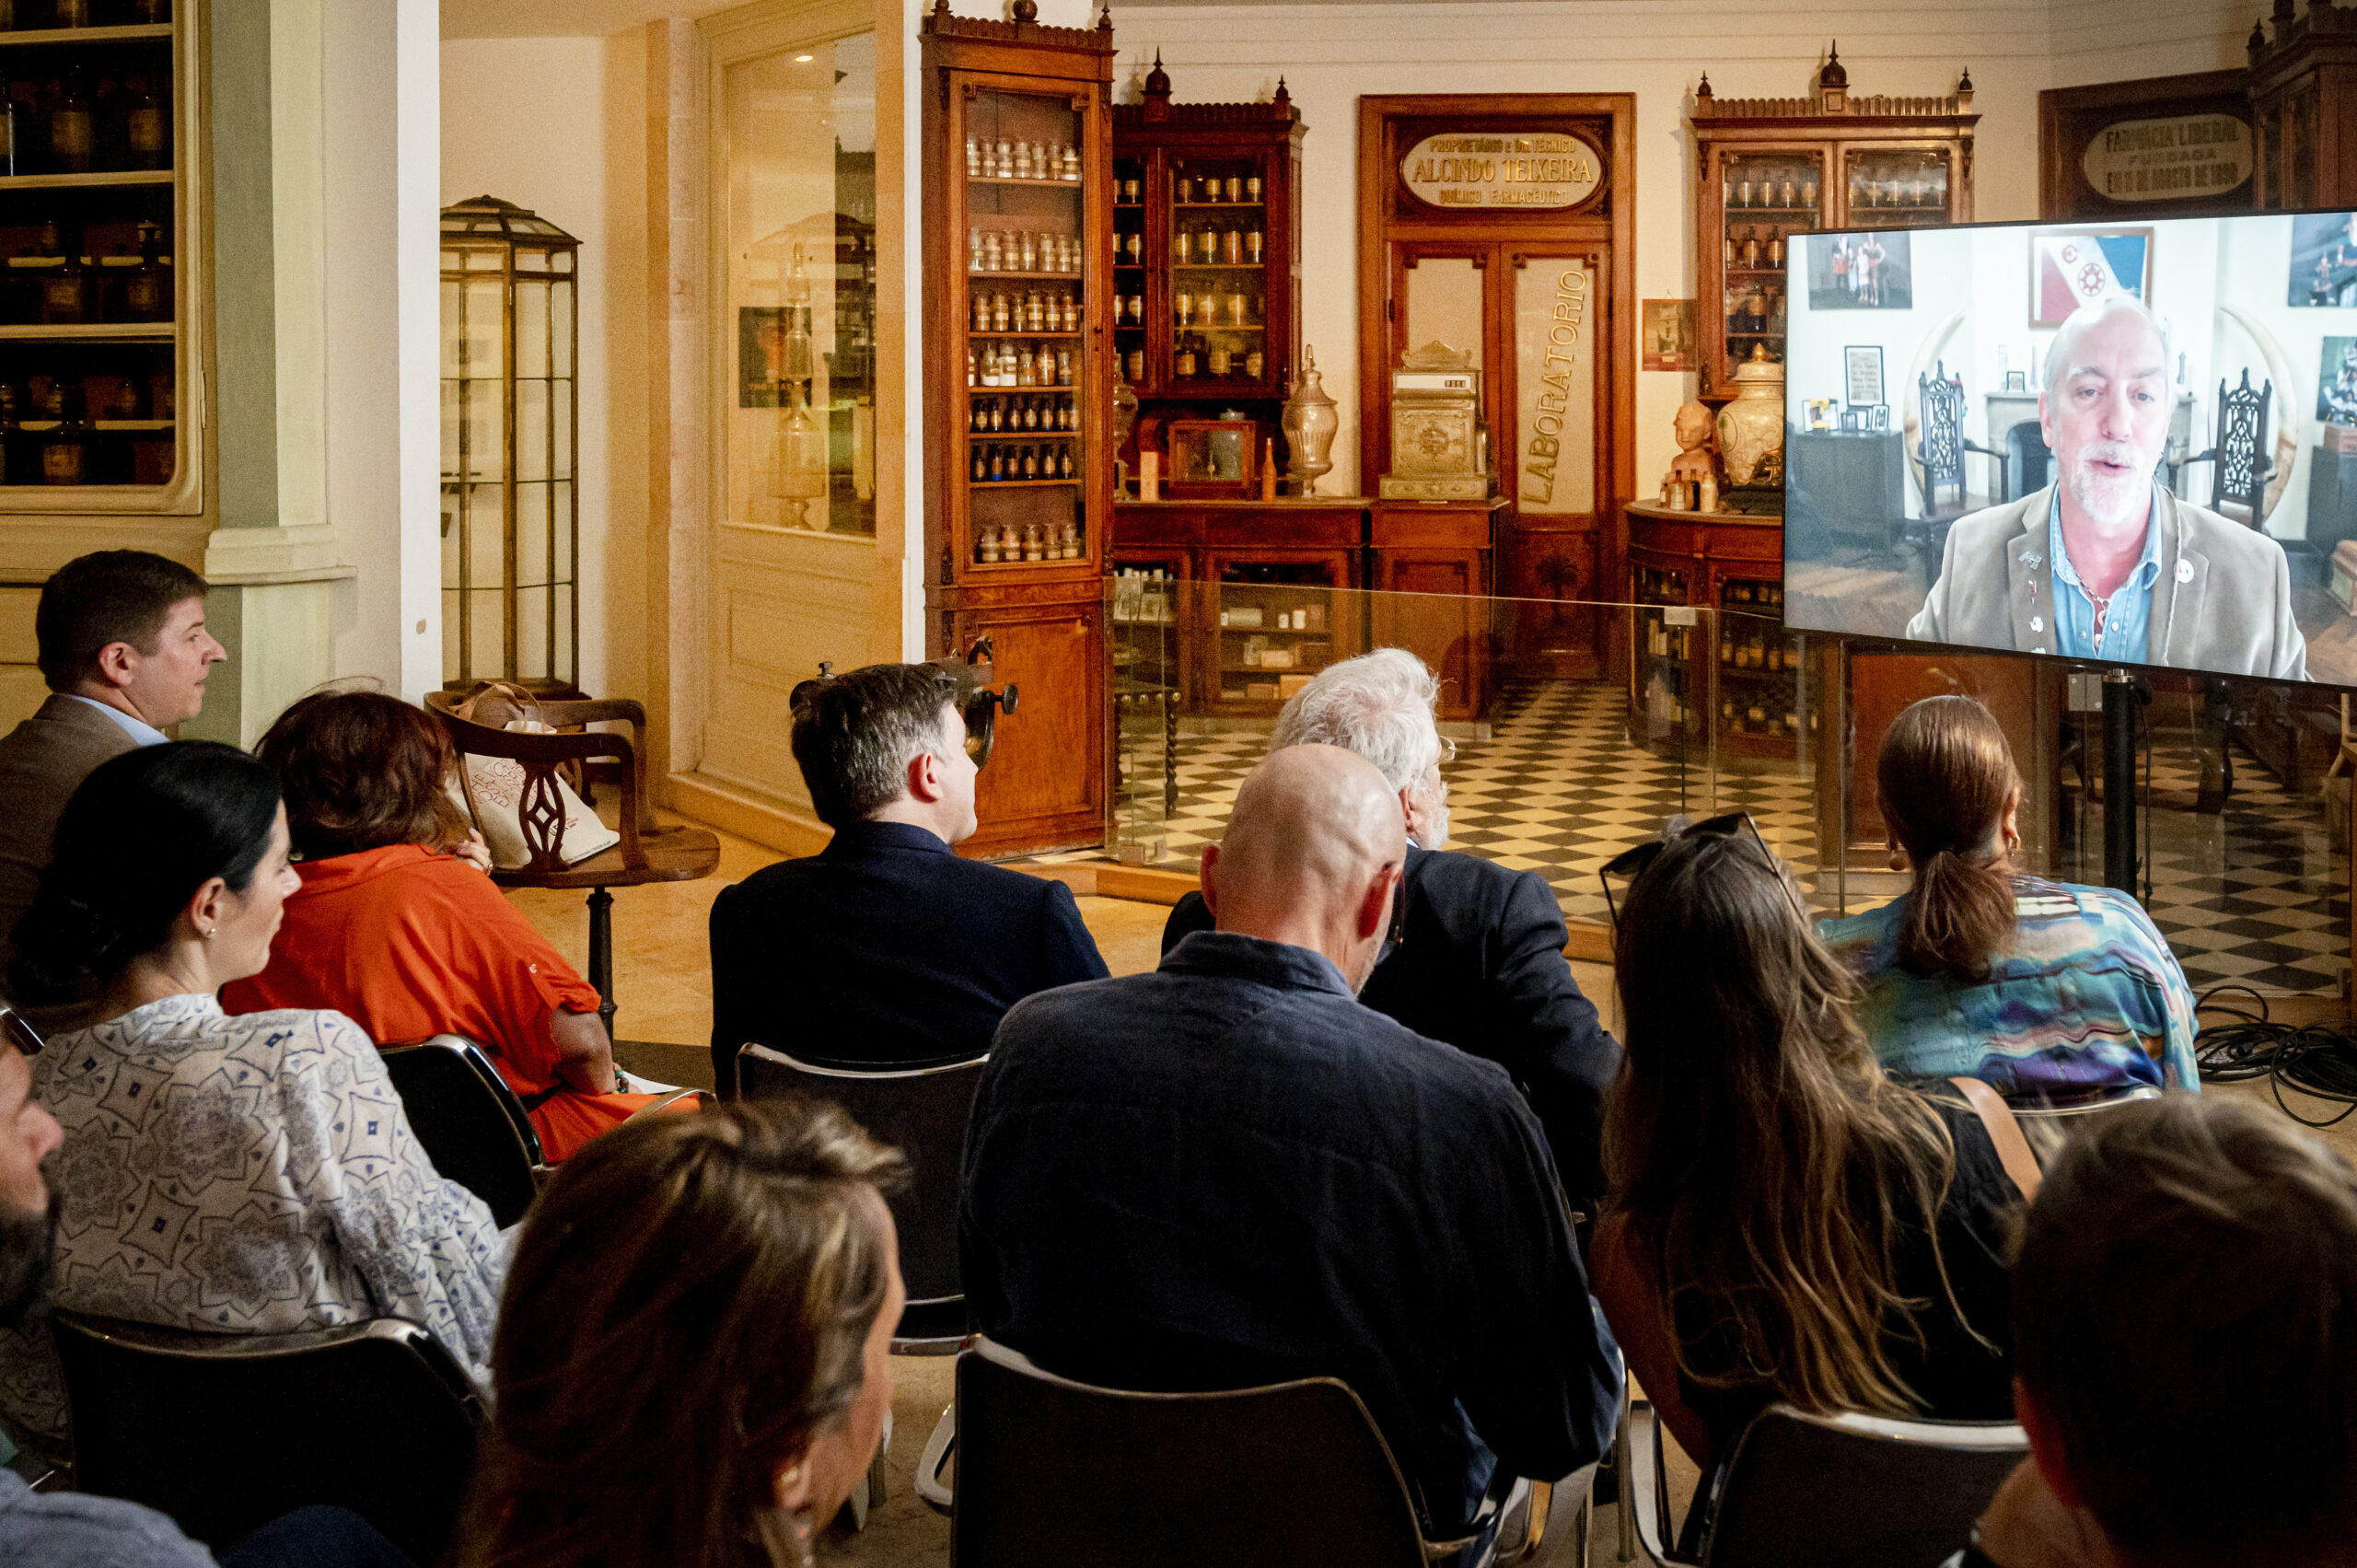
{"points": [[2125, 444]]}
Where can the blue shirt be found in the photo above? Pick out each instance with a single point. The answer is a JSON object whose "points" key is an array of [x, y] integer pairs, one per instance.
{"points": [[2131, 603], [141, 732], [73, 1529], [1228, 1173]]}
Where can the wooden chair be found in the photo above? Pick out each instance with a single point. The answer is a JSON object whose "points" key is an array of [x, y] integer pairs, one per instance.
{"points": [[225, 1431], [648, 852], [1941, 399], [2241, 466]]}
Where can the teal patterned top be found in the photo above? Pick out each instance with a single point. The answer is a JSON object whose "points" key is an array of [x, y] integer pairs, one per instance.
{"points": [[2089, 997]]}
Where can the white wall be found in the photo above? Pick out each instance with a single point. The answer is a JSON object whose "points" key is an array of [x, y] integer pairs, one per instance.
{"points": [[558, 125]]}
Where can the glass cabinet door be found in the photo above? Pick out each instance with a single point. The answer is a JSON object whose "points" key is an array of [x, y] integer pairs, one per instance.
{"points": [[1770, 198], [1893, 187], [1133, 358], [1026, 318], [1219, 282]]}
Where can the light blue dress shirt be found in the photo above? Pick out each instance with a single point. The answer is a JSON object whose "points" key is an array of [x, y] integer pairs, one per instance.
{"points": [[139, 729], [2131, 603]]}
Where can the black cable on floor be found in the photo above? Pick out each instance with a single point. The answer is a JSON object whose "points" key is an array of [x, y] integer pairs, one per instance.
{"points": [[2316, 1059]]}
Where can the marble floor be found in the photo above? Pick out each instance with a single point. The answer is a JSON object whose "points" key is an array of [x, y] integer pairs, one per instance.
{"points": [[2252, 895]]}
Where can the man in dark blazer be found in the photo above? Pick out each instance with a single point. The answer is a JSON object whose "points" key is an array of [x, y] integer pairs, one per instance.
{"points": [[885, 949], [122, 645], [1481, 963]]}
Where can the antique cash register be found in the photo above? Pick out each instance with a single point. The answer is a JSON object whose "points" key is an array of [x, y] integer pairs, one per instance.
{"points": [[1440, 446]]}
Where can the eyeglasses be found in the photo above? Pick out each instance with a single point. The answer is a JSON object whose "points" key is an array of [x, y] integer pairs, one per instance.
{"points": [[20, 1034], [1630, 862], [1447, 752]]}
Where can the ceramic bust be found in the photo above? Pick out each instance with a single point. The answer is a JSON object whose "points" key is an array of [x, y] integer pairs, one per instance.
{"points": [[1697, 459]]}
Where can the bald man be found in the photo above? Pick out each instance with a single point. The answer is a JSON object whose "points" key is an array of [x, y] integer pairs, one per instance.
{"points": [[1227, 1172]]}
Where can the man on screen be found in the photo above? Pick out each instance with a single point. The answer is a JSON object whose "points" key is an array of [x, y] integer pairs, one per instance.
{"points": [[2105, 564]]}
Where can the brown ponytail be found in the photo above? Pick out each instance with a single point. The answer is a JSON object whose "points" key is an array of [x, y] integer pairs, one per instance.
{"points": [[1946, 773]]}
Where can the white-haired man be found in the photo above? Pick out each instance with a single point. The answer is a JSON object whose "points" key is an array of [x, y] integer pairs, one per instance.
{"points": [[1481, 960], [2105, 564]]}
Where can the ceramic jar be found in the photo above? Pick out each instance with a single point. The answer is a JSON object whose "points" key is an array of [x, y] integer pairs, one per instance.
{"points": [[1751, 427]]}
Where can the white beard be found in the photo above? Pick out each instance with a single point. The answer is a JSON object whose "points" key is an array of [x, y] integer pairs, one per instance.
{"points": [[2107, 500]]}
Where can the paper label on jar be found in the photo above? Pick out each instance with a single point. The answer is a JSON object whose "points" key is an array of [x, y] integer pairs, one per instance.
{"points": [[61, 462]]}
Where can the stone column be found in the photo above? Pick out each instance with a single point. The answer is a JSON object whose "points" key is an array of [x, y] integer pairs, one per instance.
{"points": [[271, 561]]}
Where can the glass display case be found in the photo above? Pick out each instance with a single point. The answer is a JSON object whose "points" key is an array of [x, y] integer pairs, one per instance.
{"points": [[1277, 628], [511, 609], [1708, 635], [1773, 172], [96, 219]]}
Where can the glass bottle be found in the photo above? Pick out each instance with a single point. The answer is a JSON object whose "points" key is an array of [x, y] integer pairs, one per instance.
{"points": [[73, 13], [1182, 360], [146, 132], [147, 292], [64, 297], [998, 462], [1031, 463], [999, 313], [73, 135], [969, 365], [65, 451], [981, 465]]}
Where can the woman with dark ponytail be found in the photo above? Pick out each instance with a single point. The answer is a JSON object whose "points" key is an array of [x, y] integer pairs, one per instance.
{"points": [[2043, 989], [247, 1175]]}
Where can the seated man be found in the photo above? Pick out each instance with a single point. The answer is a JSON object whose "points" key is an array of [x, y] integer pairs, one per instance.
{"points": [[1481, 960], [72, 1529], [1227, 1173], [884, 950], [2229, 1438], [122, 645]]}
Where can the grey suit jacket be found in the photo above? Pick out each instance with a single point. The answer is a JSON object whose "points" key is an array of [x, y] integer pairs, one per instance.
{"points": [[2222, 601], [42, 762]]}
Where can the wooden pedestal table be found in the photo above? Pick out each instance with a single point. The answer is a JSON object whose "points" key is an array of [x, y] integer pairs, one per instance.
{"points": [[647, 853]]}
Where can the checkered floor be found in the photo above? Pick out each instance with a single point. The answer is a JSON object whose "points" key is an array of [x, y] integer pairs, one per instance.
{"points": [[2249, 895]]}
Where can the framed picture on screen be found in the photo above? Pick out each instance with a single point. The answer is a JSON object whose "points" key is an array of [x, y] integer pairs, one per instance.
{"points": [[2071, 267]]}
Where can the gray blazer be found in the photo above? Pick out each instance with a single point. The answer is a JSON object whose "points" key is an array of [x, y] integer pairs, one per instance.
{"points": [[2222, 601], [42, 762]]}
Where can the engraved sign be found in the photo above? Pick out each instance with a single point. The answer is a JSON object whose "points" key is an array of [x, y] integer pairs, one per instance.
{"points": [[1540, 170], [2184, 157]]}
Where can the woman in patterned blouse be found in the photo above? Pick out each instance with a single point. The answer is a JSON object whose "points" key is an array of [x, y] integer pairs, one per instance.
{"points": [[247, 1174], [2042, 990]]}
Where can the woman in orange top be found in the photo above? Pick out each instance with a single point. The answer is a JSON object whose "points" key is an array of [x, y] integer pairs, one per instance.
{"points": [[398, 927]]}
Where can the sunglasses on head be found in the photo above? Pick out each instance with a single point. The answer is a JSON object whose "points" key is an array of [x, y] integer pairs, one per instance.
{"points": [[1630, 862]]}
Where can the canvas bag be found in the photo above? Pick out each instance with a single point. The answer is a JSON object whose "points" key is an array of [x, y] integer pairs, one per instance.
{"points": [[497, 784]]}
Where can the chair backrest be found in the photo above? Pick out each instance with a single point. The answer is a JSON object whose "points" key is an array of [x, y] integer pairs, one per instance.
{"points": [[1942, 400], [2239, 474], [2028, 462], [471, 1124], [1853, 1491], [225, 1432], [539, 810], [1050, 1470], [919, 1111], [2045, 1128]]}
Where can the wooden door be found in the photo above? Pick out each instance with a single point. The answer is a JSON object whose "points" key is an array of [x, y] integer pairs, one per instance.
{"points": [[1044, 786]]}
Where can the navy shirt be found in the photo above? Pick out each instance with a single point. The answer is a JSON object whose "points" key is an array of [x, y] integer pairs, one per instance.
{"points": [[1481, 967], [1227, 1173], [885, 949]]}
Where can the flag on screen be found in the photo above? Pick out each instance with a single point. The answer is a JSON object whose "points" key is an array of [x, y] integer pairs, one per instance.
{"points": [[2079, 269]]}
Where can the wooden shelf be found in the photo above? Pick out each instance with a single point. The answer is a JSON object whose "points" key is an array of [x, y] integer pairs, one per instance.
{"points": [[94, 332], [75, 181], [994, 333], [1003, 273], [1005, 180], [161, 32], [1219, 266], [1017, 438], [1013, 392], [1019, 483]]}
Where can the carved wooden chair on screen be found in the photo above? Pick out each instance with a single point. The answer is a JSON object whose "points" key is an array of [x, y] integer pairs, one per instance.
{"points": [[1940, 398], [2241, 466], [648, 852]]}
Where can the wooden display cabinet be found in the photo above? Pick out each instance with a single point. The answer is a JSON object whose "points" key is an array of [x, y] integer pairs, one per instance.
{"points": [[1017, 255], [1738, 664], [2303, 103], [1206, 255], [1774, 171], [100, 216]]}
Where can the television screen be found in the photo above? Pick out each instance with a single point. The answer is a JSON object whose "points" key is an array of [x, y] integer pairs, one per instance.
{"points": [[2118, 444]]}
